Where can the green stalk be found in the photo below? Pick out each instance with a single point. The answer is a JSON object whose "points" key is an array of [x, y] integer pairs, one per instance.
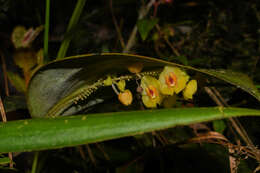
{"points": [[72, 23], [46, 30], [35, 161]]}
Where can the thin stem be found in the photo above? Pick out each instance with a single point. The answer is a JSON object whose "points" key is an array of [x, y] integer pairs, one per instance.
{"points": [[235, 123], [116, 25], [35, 161], [142, 13], [114, 88], [46, 30], [72, 23], [91, 156], [103, 151], [174, 50], [2, 111], [5, 74]]}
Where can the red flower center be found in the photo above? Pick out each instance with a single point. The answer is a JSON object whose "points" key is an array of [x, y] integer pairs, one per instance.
{"points": [[151, 92], [171, 79]]}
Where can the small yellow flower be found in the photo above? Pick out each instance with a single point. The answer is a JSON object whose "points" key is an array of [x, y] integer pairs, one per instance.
{"points": [[150, 94], [121, 85], [108, 81], [190, 89], [125, 97], [172, 80]]}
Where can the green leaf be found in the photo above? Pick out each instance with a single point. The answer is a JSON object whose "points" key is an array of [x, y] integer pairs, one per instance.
{"points": [[4, 160], [50, 133], [72, 23], [236, 78], [219, 126], [145, 26], [55, 87]]}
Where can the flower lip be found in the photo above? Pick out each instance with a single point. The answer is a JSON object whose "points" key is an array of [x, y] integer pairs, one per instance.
{"points": [[151, 92], [171, 79]]}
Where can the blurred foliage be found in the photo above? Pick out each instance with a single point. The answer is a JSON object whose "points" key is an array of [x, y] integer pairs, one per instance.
{"points": [[204, 34]]}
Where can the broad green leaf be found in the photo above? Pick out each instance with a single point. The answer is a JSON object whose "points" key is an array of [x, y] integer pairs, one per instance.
{"points": [[56, 87], [50, 133], [236, 78], [145, 26]]}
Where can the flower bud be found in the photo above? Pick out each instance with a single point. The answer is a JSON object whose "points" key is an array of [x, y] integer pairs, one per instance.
{"points": [[135, 67], [125, 97]]}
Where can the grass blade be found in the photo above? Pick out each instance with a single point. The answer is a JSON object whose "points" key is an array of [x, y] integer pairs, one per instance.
{"points": [[73, 21]]}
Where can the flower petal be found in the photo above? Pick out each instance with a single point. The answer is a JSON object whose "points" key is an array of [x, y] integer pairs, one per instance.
{"points": [[150, 93], [121, 85], [190, 89], [172, 80]]}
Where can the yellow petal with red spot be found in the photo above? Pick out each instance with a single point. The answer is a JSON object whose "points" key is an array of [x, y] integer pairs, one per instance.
{"points": [[172, 80], [150, 93]]}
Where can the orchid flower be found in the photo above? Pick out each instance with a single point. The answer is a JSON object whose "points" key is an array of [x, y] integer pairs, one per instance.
{"points": [[172, 80], [150, 94]]}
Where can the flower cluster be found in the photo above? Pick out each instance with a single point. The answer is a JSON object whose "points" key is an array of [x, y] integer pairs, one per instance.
{"points": [[172, 80], [124, 95]]}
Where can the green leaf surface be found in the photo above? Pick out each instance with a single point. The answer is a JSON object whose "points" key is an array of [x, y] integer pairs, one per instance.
{"points": [[54, 87], [50, 133], [236, 78], [4, 160], [145, 26], [219, 126]]}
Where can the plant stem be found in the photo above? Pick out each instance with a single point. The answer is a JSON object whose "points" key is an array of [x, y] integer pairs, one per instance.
{"points": [[174, 50], [46, 30], [73, 21], [5, 74], [142, 13], [2, 111], [35, 161], [120, 37], [235, 123]]}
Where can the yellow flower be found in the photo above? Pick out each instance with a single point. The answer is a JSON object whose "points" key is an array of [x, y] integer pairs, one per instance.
{"points": [[125, 97], [190, 89], [150, 93], [108, 81], [121, 85], [172, 80]]}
